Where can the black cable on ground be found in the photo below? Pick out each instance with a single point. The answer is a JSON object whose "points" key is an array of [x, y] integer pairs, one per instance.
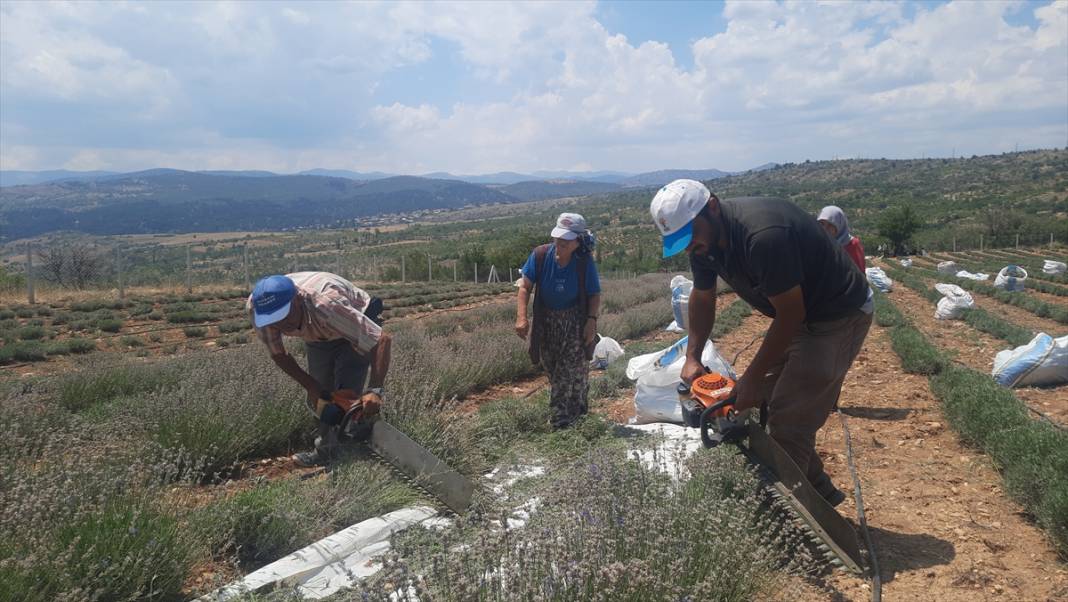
{"points": [[876, 581]]}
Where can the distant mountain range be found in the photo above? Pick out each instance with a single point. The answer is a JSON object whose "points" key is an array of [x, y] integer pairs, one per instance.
{"points": [[172, 200]]}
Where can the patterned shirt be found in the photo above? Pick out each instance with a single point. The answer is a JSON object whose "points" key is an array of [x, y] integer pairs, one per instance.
{"points": [[333, 309]]}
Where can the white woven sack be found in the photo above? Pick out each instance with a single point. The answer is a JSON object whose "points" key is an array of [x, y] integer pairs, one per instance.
{"points": [[953, 304], [948, 267], [1011, 278], [1053, 267]]}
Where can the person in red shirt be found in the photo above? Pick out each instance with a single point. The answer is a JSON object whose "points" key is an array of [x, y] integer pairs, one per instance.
{"points": [[834, 221]]}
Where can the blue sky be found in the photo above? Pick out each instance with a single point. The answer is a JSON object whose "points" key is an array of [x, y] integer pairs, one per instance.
{"points": [[474, 87]]}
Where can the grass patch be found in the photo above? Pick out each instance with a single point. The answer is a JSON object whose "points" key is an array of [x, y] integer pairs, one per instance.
{"points": [[103, 384]]}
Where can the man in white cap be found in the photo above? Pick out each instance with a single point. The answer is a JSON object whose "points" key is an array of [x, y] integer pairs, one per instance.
{"points": [[777, 258]]}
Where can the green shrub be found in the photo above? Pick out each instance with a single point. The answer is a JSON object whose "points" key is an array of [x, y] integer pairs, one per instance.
{"points": [[155, 337], [6, 314], [24, 312], [29, 351], [195, 332], [112, 325], [30, 333], [187, 317], [60, 318], [234, 326], [132, 341], [155, 315], [80, 345], [44, 310]]}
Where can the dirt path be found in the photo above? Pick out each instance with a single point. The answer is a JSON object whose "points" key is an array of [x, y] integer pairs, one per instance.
{"points": [[942, 527]]}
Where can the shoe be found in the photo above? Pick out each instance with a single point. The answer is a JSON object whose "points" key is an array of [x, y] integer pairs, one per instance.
{"points": [[828, 491], [308, 459]]}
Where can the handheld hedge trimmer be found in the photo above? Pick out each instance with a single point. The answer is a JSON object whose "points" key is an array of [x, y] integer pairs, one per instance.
{"points": [[357, 420], [708, 404]]}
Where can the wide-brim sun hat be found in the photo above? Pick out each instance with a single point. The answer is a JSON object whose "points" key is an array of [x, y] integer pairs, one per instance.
{"points": [[674, 208], [271, 299], [569, 226]]}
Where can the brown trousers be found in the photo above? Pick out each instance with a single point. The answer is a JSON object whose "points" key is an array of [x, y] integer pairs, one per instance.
{"points": [[805, 385]]}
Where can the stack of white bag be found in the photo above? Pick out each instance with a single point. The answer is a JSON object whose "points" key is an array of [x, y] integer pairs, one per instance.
{"points": [[607, 351], [1041, 363], [970, 276], [1053, 267], [681, 286], [1011, 278], [948, 267], [658, 374], [953, 304], [878, 278], [906, 262]]}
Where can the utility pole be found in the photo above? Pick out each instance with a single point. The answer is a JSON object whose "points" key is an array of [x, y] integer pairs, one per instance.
{"points": [[32, 298], [188, 271]]}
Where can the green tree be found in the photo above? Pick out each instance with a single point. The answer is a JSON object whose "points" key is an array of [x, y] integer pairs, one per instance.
{"points": [[897, 225]]}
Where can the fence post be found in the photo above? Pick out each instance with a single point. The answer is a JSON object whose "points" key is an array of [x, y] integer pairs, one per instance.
{"points": [[429, 269], [30, 295], [403, 275], [1051, 240], [337, 262], [1017, 240], [476, 273], [510, 277], [244, 264], [454, 270], [118, 271], [188, 271], [954, 244], [980, 242]]}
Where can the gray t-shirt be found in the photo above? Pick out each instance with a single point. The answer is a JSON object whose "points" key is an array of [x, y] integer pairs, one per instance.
{"points": [[773, 246]]}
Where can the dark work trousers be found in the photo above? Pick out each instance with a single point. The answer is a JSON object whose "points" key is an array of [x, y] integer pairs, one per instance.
{"points": [[805, 385], [336, 365]]}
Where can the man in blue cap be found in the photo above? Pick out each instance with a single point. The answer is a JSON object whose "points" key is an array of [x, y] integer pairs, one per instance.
{"points": [[777, 258], [342, 336]]}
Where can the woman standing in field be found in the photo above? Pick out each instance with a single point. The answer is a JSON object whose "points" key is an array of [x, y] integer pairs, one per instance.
{"points": [[834, 221], [567, 303]]}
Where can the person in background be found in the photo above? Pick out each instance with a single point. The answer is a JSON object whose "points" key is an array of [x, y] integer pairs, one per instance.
{"points": [[567, 303], [777, 259], [342, 336], [834, 221]]}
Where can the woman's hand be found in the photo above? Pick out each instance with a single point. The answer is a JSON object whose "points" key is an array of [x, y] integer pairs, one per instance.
{"points": [[589, 331], [521, 328]]}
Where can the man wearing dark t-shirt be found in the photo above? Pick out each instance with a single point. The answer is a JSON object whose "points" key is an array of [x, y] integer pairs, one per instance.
{"points": [[778, 259]]}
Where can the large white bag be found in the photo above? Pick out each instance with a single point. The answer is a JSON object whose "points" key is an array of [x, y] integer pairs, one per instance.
{"points": [[878, 278], [655, 399], [607, 351], [1011, 278], [1053, 267], [1041, 363], [953, 304], [680, 299], [970, 276], [906, 262], [948, 267]]}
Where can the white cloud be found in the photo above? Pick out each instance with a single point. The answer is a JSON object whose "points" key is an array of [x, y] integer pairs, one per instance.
{"points": [[293, 86]]}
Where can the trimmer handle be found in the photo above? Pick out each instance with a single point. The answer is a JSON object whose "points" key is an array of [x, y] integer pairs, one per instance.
{"points": [[710, 414]]}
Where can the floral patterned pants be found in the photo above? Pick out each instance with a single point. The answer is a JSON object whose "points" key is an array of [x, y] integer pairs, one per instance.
{"points": [[563, 357]]}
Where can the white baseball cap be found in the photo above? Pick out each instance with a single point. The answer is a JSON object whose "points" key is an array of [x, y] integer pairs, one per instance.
{"points": [[569, 226], [673, 209]]}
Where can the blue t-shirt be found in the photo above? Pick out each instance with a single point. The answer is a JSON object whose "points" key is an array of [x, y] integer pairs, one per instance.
{"points": [[558, 286]]}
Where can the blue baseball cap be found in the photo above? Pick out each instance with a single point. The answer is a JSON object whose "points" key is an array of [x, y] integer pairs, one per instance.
{"points": [[271, 299]]}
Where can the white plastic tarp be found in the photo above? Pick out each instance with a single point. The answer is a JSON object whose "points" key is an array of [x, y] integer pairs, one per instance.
{"points": [[878, 278], [955, 300], [1053, 267], [657, 374], [674, 327], [332, 563], [1041, 363], [970, 276], [1011, 278], [681, 286], [948, 267], [607, 351]]}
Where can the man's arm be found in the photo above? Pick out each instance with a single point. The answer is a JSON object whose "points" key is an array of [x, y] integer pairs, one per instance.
{"points": [[380, 356], [292, 368], [789, 315], [701, 318]]}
